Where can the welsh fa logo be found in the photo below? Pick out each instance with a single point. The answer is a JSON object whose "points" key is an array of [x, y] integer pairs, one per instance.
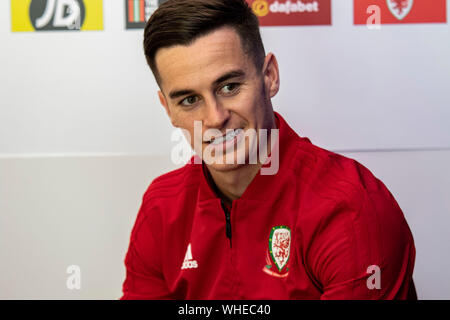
{"points": [[400, 8], [278, 252]]}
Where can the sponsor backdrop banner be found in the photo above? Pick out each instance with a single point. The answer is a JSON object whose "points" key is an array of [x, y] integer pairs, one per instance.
{"points": [[292, 13], [56, 15], [139, 11], [402, 11], [269, 12], [347, 87]]}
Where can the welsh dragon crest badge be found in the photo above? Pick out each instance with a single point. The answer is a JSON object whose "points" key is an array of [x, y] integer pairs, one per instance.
{"points": [[279, 251], [400, 8]]}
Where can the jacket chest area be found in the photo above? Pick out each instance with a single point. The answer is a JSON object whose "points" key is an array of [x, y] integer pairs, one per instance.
{"points": [[248, 252]]}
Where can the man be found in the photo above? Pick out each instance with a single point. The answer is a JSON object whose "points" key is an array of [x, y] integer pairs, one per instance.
{"points": [[318, 226]]}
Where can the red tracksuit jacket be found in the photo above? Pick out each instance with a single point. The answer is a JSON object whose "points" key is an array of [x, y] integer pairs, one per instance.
{"points": [[323, 227]]}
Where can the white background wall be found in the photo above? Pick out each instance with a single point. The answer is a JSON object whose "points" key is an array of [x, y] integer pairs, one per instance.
{"points": [[82, 135]]}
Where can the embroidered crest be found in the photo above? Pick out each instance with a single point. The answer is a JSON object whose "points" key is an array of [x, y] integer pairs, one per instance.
{"points": [[400, 8], [279, 251]]}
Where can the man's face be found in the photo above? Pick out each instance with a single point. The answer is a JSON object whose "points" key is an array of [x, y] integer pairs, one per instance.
{"points": [[215, 82]]}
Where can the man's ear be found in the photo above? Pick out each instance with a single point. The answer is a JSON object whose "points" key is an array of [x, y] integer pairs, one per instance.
{"points": [[271, 75], [164, 103]]}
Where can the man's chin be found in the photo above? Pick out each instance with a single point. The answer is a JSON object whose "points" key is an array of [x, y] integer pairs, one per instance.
{"points": [[225, 164], [224, 167]]}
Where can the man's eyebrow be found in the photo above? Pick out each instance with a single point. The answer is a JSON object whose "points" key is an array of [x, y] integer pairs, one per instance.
{"points": [[229, 75], [179, 93]]}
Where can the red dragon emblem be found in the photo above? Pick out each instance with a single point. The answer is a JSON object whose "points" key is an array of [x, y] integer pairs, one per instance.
{"points": [[279, 252], [400, 8]]}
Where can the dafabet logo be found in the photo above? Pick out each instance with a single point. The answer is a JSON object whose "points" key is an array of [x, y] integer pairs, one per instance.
{"points": [[269, 12], [292, 12], [56, 15]]}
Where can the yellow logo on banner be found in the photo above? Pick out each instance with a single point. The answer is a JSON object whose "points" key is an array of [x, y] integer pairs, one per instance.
{"points": [[260, 8], [51, 15]]}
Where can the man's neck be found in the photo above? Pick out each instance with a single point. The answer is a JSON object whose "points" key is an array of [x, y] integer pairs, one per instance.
{"points": [[230, 185]]}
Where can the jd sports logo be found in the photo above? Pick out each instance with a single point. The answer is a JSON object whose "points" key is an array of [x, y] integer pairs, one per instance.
{"points": [[57, 14], [52, 15]]}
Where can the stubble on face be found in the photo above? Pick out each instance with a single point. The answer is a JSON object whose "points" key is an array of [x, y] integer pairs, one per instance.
{"points": [[194, 70]]}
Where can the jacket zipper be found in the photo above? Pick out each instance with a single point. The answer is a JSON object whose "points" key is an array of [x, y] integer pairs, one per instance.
{"points": [[227, 221]]}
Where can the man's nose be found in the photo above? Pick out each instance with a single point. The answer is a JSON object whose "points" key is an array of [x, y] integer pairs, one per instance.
{"points": [[216, 115]]}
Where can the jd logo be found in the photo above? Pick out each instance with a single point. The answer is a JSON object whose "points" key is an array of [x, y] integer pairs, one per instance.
{"points": [[57, 14]]}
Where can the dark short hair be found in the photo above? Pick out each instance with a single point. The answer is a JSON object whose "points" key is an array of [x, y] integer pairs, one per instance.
{"points": [[181, 22]]}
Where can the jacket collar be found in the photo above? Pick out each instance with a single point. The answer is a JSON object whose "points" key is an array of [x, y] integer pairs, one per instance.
{"points": [[260, 186]]}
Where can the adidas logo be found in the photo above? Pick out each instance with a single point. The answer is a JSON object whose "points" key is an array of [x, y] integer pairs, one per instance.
{"points": [[188, 262]]}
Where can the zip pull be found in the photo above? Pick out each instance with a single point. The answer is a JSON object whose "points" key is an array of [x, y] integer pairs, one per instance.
{"points": [[227, 220]]}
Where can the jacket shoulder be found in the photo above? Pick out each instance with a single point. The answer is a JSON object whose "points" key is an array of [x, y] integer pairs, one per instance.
{"points": [[172, 183], [336, 177]]}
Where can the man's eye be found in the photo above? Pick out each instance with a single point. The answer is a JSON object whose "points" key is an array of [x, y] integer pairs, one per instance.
{"points": [[230, 88], [189, 101]]}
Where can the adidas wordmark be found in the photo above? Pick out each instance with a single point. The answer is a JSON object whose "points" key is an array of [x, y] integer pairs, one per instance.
{"points": [[189, 262]]}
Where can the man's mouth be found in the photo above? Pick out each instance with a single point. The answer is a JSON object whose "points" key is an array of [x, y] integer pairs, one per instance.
{"points": [[231, 134]]}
